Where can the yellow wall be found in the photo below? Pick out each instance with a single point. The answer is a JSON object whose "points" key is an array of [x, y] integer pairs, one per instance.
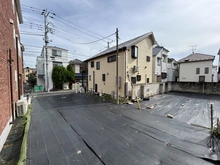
{"points": [[126, 64], [27, 71], [109, 69], [145, 68]]}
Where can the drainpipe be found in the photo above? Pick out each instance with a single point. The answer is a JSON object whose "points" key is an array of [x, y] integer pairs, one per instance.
{"points": [[18, 74], [11, 85]]}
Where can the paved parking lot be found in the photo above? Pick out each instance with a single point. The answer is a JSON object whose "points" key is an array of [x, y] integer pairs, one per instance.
{"points": [[83, 129]]}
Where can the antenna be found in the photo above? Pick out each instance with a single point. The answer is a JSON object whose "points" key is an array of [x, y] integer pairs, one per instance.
{"points": [[193, 48]]}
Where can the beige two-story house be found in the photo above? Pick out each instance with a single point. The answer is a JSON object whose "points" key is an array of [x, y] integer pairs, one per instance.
{"points": [[134, 66]]}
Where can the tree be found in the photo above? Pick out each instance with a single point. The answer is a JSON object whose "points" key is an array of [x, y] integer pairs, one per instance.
{"points": [[59, 76], [31, 79], [70, 75]]}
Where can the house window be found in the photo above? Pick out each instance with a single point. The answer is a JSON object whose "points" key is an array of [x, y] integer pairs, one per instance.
{"points": [[98, 65], [138, 77], [89, 77], [197, 70], [148, 58], [134, 51], [164, 58], [57, 64], [148, 80], [103, 77], [158, 61], [56, 52], [201, 78], [164, 75], [92, 64], [206, 70], [111, 58], [133, 80]]}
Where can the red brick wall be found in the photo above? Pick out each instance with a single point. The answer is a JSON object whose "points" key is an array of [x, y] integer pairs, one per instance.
{"points": [[6, 43]]}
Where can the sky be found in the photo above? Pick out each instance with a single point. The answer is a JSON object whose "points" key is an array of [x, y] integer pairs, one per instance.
{"points": [[82, 26]]}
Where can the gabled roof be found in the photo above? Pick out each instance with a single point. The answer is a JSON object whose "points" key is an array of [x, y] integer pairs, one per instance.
{"points": [[157, 49], [196, 57], [76, 61], [219, 52], [125, 45]]}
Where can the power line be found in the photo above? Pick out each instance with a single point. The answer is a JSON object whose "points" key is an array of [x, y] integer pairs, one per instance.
{"points": [[88, 42], [80, 27]]}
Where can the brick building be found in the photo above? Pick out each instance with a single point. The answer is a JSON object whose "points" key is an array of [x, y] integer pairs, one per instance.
{"points": [[11, 86]]}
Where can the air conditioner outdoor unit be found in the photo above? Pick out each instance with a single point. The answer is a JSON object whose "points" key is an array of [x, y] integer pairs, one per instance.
{"points": [[21, 108], [135, 69]]}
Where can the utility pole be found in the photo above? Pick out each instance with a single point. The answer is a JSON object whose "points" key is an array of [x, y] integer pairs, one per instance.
{"points": [[117, 85], [46, 13]]}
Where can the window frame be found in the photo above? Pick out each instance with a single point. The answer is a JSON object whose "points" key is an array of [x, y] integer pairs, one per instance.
{"points": [[92, 64], [111, 58], [206, 70], [98, 65], [197, 70]]}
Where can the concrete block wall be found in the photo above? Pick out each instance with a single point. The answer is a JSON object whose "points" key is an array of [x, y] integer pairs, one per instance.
{"points": [[209, 88]]}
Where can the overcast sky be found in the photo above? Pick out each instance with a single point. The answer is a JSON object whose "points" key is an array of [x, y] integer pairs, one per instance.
{"points": [[176, 25]]}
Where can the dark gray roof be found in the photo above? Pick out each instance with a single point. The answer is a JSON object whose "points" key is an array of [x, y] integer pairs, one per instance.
{"points": [[124, 45], [76, 61], [196, 57], [157, 49]]}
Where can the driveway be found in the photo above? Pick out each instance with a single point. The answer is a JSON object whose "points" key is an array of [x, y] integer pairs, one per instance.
{"points": [[82, 129]]}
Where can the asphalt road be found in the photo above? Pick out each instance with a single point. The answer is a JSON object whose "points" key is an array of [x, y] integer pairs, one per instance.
{"points": [[81, 129]]}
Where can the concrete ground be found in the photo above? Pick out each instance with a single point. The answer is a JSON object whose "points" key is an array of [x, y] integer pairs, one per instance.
{"points": [[83, 129]]}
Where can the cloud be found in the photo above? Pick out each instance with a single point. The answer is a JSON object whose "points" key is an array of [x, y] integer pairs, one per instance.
{"points": [[176, 24]]}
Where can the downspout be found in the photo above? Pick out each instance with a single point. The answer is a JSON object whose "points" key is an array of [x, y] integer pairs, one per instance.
{"points": [[125, 73], [18, 74], [11, 85]]}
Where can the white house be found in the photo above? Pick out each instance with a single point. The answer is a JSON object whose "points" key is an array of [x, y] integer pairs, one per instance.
{"points": [[219, 66], [214, 74], [172, 70], [196, 68], [56, 56], [160, 56]]}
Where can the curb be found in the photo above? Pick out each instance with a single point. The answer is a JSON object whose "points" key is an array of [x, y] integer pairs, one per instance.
{"points": [[23, 154]]}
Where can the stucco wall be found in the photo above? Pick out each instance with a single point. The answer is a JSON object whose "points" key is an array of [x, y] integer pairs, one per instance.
{"points": [[187, 71], [109, 69], [145, 67]]}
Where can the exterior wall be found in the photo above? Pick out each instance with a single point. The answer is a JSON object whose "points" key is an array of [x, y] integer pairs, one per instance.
{"points": [[172, 71], [145, 68], [147, 90], [9, 33], [76, 68], [187, 71], [125, 70], [109, 69], [160, 67], [209, 88], [214, 74]]}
